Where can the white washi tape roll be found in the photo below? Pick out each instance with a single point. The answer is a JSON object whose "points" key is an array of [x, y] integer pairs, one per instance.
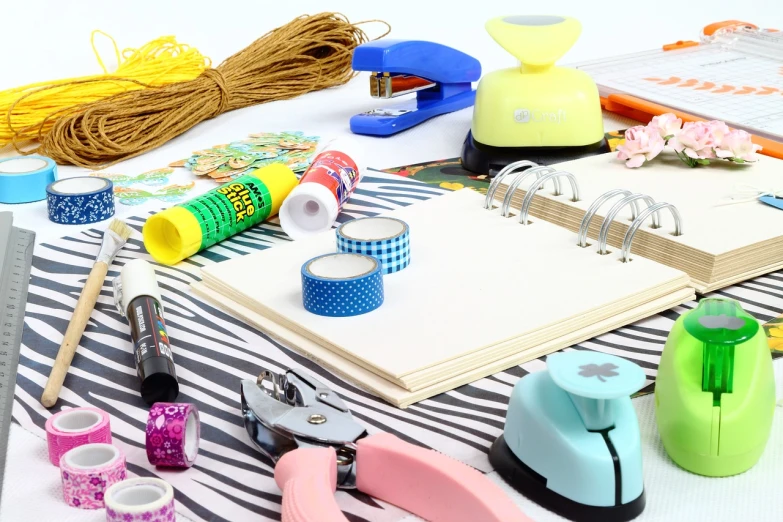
{"points": [[88, 471], [386, 239], [80, 200], [140, 500], [75, 427], [24, 179]]}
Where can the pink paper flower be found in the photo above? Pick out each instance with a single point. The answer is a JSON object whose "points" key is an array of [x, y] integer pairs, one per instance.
{"points": [[737, 146], [667, 125], [694, 140], [718, 129], [641, 144]]}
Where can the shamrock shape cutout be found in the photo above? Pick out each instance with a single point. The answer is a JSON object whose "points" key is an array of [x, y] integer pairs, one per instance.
{"points": [[600, 371]]}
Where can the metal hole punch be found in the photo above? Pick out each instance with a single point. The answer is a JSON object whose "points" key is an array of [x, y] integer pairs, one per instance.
{"points": [[616, 208], [593, 209], [531, 191], [626, 251]]}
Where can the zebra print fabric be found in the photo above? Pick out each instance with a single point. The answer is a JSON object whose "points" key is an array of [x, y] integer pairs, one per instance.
{"points": [[213, 351]]}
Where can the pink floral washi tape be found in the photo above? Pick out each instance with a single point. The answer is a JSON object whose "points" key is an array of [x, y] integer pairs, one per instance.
{"points": [[173, 433], [143, 499], [88, 471], [72, 428]]}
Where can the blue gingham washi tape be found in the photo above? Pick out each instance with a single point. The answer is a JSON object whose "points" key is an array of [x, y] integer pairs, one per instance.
{"points": [[80, 200], [24, 179], [384, 238], [342, 285]]}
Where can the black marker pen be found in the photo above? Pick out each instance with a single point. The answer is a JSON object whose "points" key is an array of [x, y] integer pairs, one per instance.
{"points": [[138, 298]]}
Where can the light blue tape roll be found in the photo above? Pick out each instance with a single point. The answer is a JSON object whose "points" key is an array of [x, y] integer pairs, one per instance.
{"points": [[386, 239], [80, 200], [342, 285], [24, 179]]}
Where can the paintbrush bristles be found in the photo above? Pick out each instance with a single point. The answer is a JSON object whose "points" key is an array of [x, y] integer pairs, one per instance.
{"points": [[121, 229]]}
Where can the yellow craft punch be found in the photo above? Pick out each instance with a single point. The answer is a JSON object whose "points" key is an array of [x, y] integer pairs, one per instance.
{"points": [[535, 111]]}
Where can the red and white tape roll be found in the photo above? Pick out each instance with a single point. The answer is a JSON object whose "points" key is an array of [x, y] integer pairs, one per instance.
{"points": [[173, 433], [88, 471], [69, 429], [144, 499]]}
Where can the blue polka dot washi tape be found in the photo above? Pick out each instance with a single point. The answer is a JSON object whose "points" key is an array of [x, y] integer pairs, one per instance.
{"points": [[342, 285], [80, 200], [24, 179], [384, 238]]}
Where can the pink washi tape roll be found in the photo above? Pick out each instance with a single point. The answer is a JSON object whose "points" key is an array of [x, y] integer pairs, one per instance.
{"points": [[71, 428], [173, 433], [88, 471], [143, 499]]}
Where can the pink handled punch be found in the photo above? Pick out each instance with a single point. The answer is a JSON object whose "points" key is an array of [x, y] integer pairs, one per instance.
{"points": [[317, 447]]}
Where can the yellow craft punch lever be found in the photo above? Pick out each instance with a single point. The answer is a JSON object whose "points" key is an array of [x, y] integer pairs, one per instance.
{"points": [[536, 110]]}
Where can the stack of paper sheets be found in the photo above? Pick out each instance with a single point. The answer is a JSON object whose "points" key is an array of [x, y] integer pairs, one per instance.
{"points": [[529, 290]]}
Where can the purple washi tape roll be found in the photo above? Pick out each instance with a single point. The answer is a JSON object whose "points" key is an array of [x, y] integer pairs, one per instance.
{"points": [[173, 433], [144, 499]]}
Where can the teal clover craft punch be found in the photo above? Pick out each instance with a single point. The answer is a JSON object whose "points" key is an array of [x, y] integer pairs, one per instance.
{"points": [[571, 440]]}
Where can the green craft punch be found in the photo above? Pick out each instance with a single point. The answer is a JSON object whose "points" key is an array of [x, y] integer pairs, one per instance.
{"points": [[715, 390]]}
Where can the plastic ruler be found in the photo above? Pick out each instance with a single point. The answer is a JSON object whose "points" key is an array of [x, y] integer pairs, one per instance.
{"points": [[16, 257]]}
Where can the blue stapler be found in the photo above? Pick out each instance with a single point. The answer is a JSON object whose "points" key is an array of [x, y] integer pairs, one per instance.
{"points": [[571, 441], [439, 75]]}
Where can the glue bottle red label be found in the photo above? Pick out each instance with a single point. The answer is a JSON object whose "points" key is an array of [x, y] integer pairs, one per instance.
{"points": [[336, 171]]}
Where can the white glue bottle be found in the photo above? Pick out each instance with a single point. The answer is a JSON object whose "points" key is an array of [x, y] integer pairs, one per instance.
{"points": [[314, 204]]}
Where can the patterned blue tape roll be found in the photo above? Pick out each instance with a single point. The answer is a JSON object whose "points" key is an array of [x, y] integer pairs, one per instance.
{"points": [[386, 239], [24, 179], [342, 285], [81, 200]]}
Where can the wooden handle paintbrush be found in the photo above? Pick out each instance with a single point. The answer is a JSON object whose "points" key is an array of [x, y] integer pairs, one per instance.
{"points": [[113, 240]]}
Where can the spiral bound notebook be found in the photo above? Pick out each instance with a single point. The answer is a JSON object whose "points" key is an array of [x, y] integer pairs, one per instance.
{"points": [[722, 241], [529, 288]]}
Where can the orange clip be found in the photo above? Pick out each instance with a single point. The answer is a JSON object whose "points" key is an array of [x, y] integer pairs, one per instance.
{"points": [[680, 44], [710, 29]]}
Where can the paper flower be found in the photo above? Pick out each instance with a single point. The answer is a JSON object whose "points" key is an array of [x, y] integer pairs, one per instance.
{"points": [[737, 146], [641, 144], [694, 141], [667, 125]]}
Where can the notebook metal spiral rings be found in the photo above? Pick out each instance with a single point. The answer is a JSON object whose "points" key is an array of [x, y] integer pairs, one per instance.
{"points": [[616, 208], [595, 206], [628, 239], [510, 169], [531, 192], [538, 171]]}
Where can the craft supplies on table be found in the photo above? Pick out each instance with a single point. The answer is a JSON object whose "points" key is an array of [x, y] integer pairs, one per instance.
{"points": [[144, 499], [80, 200], [440, 76], [23, 180], [456, 240], [69, 429], [722, 243], [537, 112], [314, 204], [173, 434], [87, 471], [183, 230], [732, 74], [138, 299], [16, 257], [114, 238]]}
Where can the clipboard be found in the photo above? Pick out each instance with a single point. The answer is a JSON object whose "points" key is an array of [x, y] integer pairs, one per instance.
{"points": [[734, 74]]}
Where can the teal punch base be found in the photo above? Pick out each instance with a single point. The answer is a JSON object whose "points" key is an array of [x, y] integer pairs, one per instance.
{"points": [[545, 432]]}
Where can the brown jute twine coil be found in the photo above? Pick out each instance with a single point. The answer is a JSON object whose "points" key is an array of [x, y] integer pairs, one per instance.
{"points": [[308, 54]]}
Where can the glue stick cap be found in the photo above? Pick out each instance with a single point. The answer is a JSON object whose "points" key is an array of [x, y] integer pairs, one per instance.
{"points": [[309, 209], [172, 235], [137, 278]]}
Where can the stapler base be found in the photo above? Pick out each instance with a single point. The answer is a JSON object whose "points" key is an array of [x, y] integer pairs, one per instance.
{"points": [[533, 486], [486, 159]]}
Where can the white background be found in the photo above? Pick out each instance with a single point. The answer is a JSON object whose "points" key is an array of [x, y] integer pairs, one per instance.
{"points": [[50, 40]]}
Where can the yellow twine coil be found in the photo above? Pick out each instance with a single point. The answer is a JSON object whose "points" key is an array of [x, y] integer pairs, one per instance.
{"points": [[29, 112]]}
